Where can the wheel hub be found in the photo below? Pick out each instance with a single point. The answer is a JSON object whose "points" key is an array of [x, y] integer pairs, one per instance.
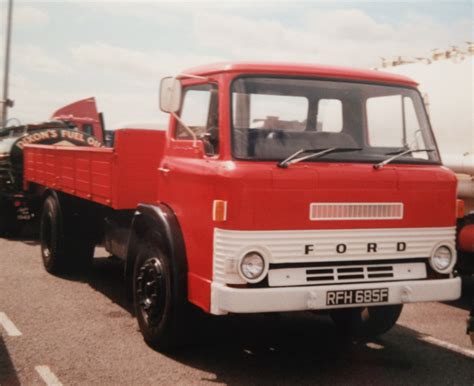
{"points": [[151, 290]]}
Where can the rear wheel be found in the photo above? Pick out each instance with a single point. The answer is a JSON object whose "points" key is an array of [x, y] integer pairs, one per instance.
{"points": [[159, 308], [366, 322], [66, 247]]}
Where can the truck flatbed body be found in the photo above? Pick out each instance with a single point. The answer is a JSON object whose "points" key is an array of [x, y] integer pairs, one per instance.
{"points": [[118, 177]]}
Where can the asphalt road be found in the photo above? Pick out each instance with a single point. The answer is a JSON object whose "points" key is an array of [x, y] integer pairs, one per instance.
{"points": [[80, 330]]}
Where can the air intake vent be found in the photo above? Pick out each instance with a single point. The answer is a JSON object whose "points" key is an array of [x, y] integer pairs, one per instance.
{"points": [[356, 211]]}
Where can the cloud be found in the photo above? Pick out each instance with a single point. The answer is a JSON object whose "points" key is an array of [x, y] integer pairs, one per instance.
{"points": [[34, 103], [114, 58], [27, 16], [239, 38], [341, 36], [137, 65], [36, 59], [347, 24], [162, 14], [125, 79]]}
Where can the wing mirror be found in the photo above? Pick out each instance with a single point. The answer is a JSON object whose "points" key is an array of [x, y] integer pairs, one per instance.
{"points": [[170, 95]]}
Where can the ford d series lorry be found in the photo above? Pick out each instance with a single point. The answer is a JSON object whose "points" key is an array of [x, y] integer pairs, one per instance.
{"points": [[275, 188]]}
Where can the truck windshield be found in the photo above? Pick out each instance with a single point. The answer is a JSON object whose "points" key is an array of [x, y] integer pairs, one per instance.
{"points": [[272, 118]]}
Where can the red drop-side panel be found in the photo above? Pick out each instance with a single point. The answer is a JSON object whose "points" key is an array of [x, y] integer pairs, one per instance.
{"points": [[120, 178]]}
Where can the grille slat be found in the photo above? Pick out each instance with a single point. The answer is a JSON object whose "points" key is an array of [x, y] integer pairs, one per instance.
{"points": [[320, 278], [318, 271], [352, 269], [380, 275], [378, 269], [350, 277]]}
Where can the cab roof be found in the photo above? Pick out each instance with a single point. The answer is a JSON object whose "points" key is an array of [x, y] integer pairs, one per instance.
{"points": [[300, 70]]}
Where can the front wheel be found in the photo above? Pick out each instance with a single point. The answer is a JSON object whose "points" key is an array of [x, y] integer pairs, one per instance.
{"points": [[158, 306], [366, 322]]}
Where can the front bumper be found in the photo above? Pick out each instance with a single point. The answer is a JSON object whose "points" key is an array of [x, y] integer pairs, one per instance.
{"points": [[226, 299]]}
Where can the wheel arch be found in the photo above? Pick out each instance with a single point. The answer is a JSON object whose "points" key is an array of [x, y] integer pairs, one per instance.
{"points": [[162, 221], [49, 192]]}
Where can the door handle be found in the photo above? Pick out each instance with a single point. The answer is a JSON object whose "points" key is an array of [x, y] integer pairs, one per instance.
{"points": [[164, 170]]}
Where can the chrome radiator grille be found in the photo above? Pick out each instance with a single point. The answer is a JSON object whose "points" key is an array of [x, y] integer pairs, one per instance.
{"points": [[288, 247], [351, 273], [346, 274]]}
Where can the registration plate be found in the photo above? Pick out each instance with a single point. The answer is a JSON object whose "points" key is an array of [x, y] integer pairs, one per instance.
{"points": [[358, 296]]}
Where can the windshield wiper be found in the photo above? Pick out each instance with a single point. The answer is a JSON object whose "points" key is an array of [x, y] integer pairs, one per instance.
{"points": [[398, 155], [316, 153]]}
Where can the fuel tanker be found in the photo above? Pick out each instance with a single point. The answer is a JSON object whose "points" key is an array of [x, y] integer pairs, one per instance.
{"points": [[77, 124]]}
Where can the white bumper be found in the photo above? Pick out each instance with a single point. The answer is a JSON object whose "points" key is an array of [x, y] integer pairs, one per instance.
{"points": [[226, 299]]}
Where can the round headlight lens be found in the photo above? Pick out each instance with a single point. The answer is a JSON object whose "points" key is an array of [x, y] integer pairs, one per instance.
{"points": [[442, 258], [252, 266]]}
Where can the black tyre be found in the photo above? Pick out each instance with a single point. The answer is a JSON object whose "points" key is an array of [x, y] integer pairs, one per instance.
{"points": [[160, 306], [366, 322], [65, 245]]}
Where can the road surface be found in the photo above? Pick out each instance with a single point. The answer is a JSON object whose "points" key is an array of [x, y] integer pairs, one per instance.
{"points": [[80, 330]]}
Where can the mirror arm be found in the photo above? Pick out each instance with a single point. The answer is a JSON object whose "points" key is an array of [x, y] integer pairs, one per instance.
{"points": [[186, 128]]}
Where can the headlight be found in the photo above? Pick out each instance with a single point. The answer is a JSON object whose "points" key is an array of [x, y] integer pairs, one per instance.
{"points": [[443, 259], [252, 267]]}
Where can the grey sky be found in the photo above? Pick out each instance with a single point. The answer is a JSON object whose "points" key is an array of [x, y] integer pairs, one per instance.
{"points": [[67, 50]]}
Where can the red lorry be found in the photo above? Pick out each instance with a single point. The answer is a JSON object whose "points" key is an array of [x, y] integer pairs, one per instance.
{"points": [[276, 187]]}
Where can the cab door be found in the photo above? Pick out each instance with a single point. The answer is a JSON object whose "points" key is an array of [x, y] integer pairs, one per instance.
{"points": [[186, 180], [182, 175]]}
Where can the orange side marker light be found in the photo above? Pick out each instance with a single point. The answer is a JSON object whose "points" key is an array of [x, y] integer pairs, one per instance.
{"points": [[219, 210]]}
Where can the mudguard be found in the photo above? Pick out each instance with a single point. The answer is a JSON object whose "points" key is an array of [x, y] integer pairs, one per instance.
{"points": [[159, 219]]}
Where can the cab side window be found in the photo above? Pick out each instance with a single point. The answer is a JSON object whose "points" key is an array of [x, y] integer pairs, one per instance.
{"points": [[199, 110]]}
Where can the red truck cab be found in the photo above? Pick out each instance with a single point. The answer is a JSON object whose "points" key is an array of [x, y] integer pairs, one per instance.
{"points": [[276, 187]]}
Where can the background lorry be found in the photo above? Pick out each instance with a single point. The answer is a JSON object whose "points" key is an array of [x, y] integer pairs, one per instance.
{"points": [[276, 187], [77, 124], [447, 84]]}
